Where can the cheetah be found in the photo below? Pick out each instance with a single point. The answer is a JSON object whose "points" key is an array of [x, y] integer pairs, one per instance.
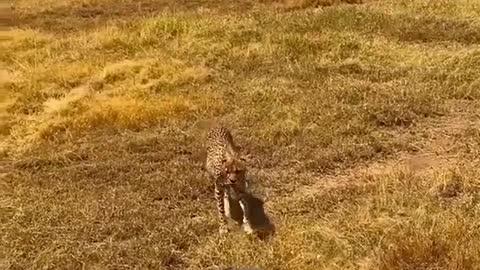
{"points": [[228, 170]]}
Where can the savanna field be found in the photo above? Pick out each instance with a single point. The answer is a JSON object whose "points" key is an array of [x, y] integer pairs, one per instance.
{"points": [[361, 120]]}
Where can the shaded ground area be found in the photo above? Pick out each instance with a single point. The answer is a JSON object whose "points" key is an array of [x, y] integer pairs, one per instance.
{"points": [[84, 16]]}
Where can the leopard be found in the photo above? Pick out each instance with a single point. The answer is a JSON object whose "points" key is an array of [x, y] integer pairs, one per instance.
{"points": [[227, 168]]}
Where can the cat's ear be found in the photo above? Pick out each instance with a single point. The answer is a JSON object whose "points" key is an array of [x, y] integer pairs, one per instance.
{"points": [[247, 157]]}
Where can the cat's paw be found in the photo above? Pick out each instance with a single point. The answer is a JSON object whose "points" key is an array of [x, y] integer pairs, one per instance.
{"points": [[247, 228], [223, 229]]}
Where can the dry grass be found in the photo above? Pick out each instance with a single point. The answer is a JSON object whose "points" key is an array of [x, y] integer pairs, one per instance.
{"points": [[361, 118]]}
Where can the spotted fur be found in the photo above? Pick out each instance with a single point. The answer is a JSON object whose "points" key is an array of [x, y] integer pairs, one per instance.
{"points": [[228, 170]]}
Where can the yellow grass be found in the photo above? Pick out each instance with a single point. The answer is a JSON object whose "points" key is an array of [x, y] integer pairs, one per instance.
{"points": [[360, 117]]}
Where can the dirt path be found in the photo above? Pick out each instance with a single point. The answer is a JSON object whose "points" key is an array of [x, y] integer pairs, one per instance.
{"points": [[438, 144]]}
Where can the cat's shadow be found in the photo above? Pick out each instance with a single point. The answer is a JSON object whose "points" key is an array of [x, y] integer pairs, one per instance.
{"points": [[258, 219]]}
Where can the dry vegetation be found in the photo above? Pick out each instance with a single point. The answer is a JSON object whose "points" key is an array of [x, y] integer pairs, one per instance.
{"points": [[362, 119]]}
